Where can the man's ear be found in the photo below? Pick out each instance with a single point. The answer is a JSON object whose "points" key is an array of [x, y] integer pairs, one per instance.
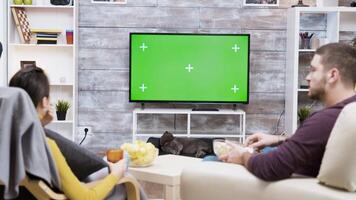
{"points": [[333, 75]]}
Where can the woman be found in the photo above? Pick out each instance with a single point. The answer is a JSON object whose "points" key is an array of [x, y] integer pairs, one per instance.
{"points": [[34, 81]]}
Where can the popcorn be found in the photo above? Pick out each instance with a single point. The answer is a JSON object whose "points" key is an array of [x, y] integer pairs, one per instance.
{"points": [[140, 152], [222, 147]]}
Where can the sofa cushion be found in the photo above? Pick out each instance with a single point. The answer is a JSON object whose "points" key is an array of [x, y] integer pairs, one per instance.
{"points": [[216, 180], [338, 167]]}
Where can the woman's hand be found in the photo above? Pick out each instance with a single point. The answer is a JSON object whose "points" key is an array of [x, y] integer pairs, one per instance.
{"points": [[47, 118], [118, 169], [44, 110]]}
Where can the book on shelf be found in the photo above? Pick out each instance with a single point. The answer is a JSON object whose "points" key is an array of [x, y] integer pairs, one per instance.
{"points": [[46, 30], [45, 35], [46, 41]]}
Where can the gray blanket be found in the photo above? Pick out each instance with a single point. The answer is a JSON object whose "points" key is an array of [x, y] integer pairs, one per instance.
{"points": [[23, 147]]}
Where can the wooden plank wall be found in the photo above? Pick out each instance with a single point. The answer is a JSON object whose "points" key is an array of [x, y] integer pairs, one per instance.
{"points": [[104, 61]]}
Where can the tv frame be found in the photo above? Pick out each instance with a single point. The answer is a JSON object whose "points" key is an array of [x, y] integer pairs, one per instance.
{"points": [[187, 102]]}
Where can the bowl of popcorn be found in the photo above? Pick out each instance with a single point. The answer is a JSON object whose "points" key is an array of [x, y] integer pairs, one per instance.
{"points": [[141, 154], [224, 147], [220, 147]]}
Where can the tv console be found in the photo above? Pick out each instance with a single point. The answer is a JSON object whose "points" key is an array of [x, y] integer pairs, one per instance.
{"points": [[205, 109], [238, 134]]}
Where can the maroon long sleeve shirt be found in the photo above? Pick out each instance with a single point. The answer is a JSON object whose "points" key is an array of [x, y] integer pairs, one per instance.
{"points": [[302, 153]]}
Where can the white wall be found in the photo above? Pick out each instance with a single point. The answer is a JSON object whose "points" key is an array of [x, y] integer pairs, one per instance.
{"points": [[3, 32]]}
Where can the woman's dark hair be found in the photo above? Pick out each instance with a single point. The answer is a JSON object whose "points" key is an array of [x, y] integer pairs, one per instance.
{"points": [[34, 81]]}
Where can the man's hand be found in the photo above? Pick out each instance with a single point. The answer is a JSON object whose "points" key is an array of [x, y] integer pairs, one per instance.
{"points": [[261, 140], [238, 155]]}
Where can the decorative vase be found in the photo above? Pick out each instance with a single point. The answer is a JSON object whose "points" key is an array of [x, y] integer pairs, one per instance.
{"points": [[69, 36], [61, 115], [300, 4], [18, 2], [27, 2]]}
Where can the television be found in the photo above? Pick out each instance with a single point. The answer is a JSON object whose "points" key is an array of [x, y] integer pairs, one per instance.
{"points": [[190, 68]]}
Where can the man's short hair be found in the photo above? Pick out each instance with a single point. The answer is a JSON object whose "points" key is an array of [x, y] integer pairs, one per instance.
{"points": [[342, 57]]}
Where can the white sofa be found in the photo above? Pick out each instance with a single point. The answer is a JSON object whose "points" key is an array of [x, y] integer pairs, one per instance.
{"points": [[216, 180]]}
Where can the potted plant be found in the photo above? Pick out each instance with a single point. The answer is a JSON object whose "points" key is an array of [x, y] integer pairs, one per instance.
{"points": [[303, 113], [62, 107], [353, 42]]}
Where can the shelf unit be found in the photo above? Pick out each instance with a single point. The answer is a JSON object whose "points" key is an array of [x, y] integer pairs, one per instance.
{"points": [[333, 21], [239, 134], [59, 61]]}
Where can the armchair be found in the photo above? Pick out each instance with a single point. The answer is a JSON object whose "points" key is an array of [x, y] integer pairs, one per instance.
{"points": [[24, 151], [41, 190]]}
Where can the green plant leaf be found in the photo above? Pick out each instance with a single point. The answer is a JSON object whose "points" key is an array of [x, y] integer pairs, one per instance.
{"points": [[304, 113], [62, 106], [353, 42]]}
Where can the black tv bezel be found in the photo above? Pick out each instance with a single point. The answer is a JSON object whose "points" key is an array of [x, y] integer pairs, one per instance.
{"points": [[199, 102]]}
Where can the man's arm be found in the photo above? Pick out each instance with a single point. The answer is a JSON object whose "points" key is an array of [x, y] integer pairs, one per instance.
{"points": [[301, 153], [245, 158]]}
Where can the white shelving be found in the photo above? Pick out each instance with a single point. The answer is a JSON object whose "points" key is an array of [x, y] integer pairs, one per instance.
{"points": [[337, 19], [42, 45], [306, 50], [42, 6], [58, 60], [303, 90], [240, 126]]}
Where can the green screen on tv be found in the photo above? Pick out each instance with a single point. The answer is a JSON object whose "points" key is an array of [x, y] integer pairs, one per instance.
{"points": [[206, 68]]}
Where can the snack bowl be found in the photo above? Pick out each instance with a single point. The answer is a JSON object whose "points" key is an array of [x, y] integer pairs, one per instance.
{"points": [[221, 147], [141, 154], [224, 147]]}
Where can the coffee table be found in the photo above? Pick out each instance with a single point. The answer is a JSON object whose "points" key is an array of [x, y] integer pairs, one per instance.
{"points": [[165, 170]]}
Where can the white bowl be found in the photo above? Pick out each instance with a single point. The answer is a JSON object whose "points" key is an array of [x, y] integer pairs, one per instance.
{"points": [[145, 160], [220, 147]]}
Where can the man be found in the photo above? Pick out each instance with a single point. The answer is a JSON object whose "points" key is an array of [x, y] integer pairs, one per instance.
{"points": [[331, 80]]}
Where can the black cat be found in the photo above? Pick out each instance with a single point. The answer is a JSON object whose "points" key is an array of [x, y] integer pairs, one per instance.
{"points": [[184, 146]]}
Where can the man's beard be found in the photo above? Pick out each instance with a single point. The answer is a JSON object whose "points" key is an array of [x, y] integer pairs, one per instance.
{"points": [[318, 93]]}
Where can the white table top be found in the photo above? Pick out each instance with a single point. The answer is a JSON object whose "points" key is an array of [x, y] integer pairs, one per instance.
{"points": [[166, 169]]}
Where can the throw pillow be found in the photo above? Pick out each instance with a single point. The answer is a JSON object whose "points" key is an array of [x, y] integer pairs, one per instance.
{"points": [[338, 167], [81, 161]]}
